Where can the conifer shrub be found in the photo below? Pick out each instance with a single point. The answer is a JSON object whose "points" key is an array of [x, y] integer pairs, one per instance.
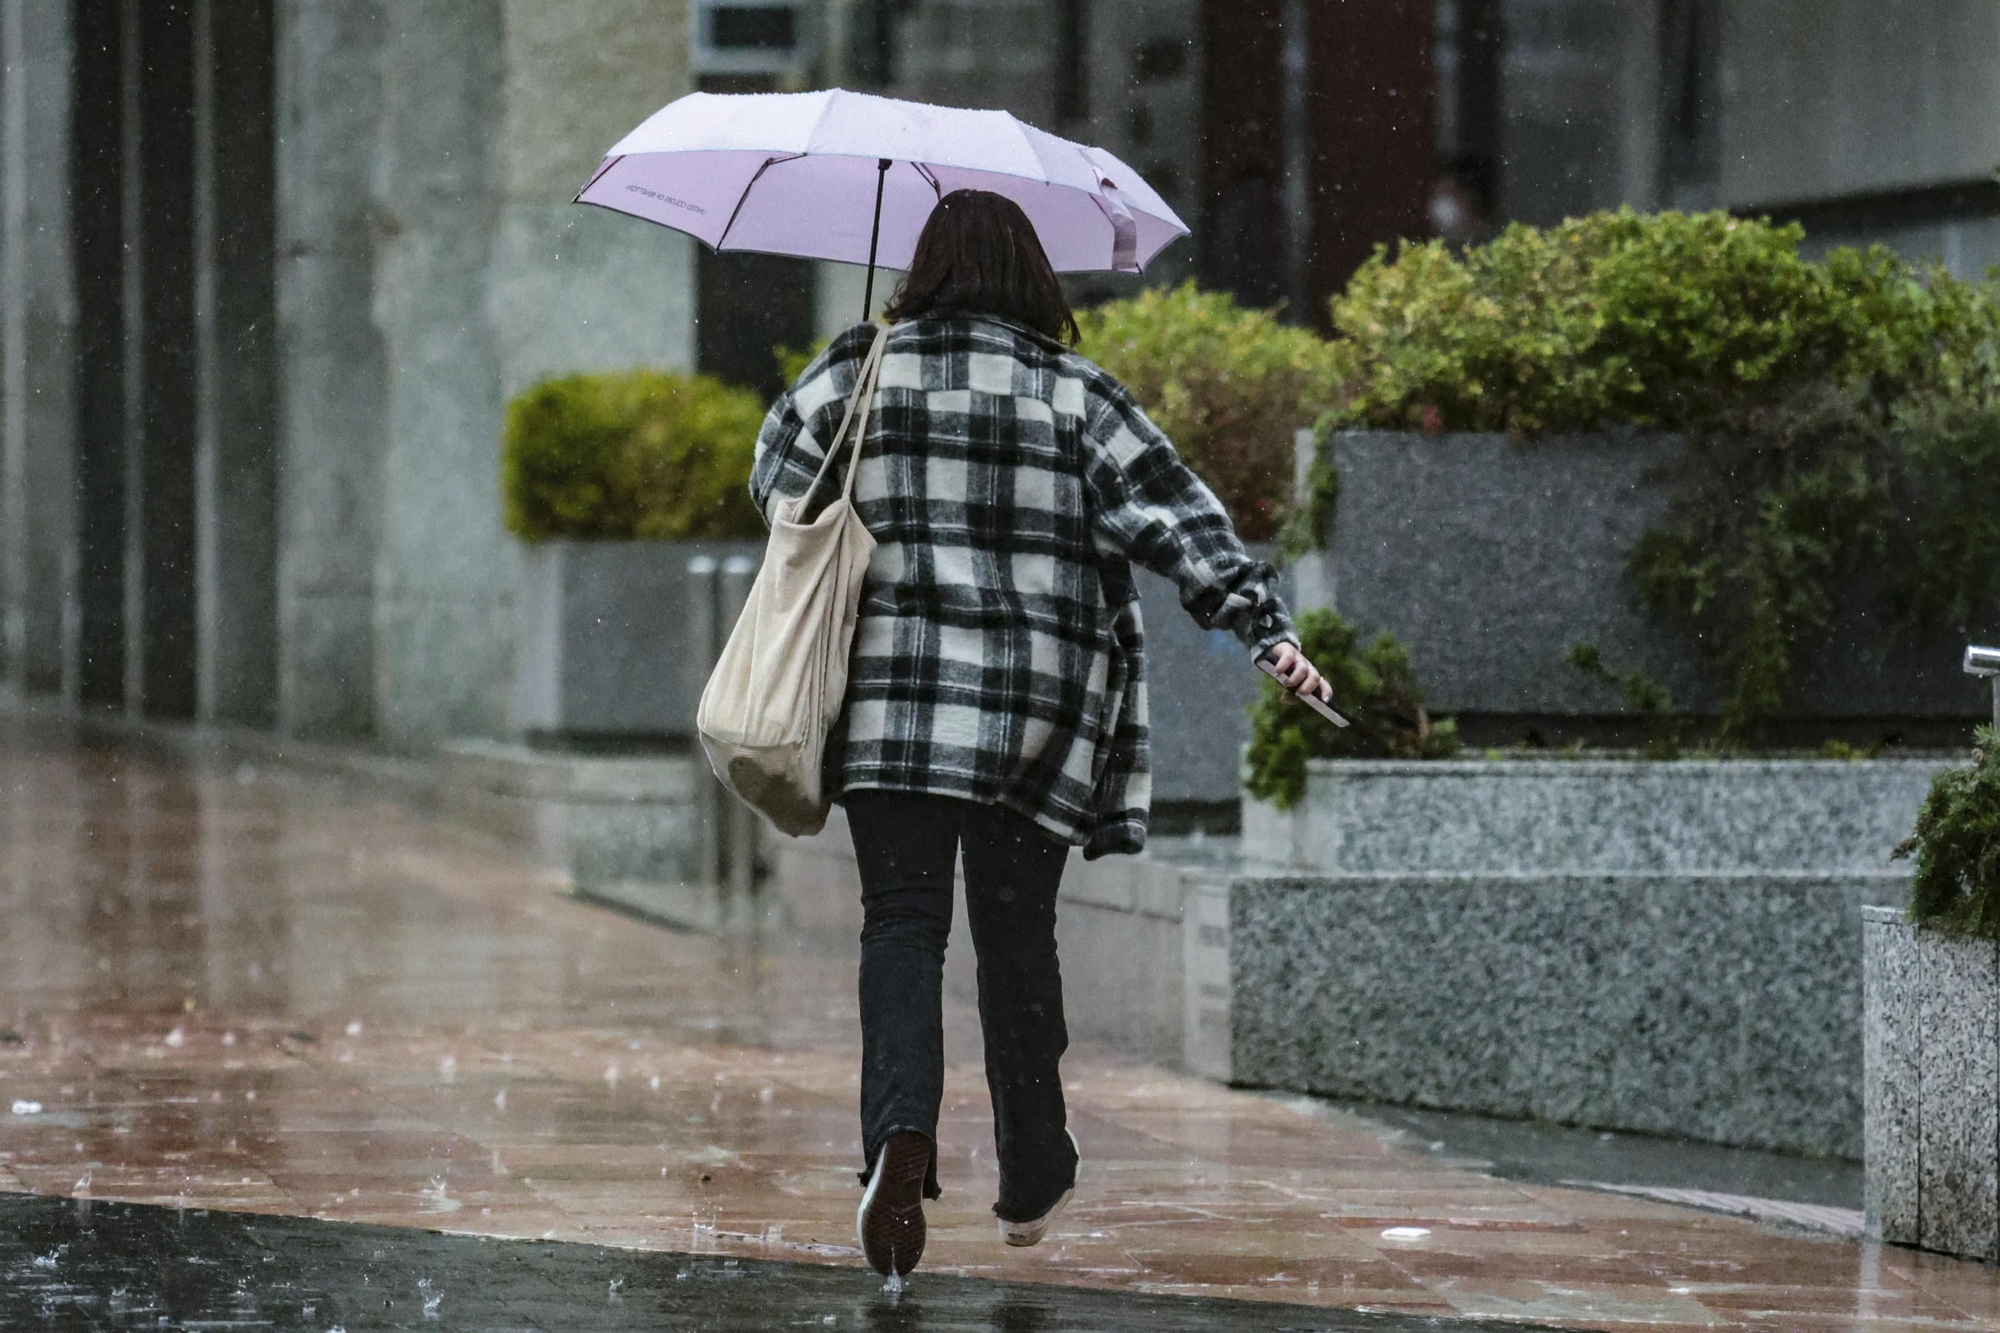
{"points": [[1373, 683], [1957, 847]]}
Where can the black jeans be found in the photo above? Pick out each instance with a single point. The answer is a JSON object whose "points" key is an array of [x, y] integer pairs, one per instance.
{"points": [[905, 845]]}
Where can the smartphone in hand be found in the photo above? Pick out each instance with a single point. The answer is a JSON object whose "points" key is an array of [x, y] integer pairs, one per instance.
{"points": [[1269, 667]]}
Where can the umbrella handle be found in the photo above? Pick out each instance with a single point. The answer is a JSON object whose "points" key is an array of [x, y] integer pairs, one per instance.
{"points": [[874, 237]]}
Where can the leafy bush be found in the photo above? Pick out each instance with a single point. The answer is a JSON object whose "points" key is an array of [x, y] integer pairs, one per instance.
{"points": [[1375, 686], [1957, 847], [1670, 320], [1228, 385], [632, 454], [1835, 407]]}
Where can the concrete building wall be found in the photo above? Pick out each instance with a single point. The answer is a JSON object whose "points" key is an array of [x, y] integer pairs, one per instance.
{"points": [[581, 288], [1579, 107], [1868, 95], [444, 570], [37, 320], [332, 379]]}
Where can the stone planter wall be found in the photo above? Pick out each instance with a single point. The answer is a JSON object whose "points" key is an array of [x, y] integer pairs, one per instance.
{"points": [[1932, 1041], [1490, 558], [603, 654], [1556, 817], [1672, 948], [602, 648]]}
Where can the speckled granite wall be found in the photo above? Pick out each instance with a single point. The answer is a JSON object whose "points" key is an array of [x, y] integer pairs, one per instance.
{"points": [[1721, 1007], [1593, 817], [1933, 1088], [1489, 558]]}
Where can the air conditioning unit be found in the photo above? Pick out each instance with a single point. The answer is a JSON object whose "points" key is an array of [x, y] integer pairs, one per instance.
{"points": [[751, 36]]}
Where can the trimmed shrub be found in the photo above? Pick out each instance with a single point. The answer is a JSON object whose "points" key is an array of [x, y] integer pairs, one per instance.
{"points": [[1228, 385], [643, 454], [1843, 410], [1957, 847], [1375, 685]]}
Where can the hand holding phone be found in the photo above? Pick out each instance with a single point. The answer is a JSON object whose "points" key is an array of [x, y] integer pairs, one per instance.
{"points": [[1269, 666]]}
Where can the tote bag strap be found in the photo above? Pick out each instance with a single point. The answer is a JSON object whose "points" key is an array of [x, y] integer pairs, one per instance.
{"points": [[864, 393]]}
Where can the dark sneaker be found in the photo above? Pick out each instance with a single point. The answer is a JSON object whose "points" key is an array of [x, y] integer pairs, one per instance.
{"points": [[890, 1221], [1031, 1231]]}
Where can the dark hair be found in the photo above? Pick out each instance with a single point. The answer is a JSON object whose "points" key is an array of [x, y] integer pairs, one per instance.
{"points": [[979, 255]]}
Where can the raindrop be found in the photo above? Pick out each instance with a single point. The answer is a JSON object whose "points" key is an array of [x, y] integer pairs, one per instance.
{"points": [[656, 1083], [27, 1108], [177, 1038], [500, 1100], [1406, 1233], [432, 1297], [447, 1068], [229, 1039], [611, 1075], [893, 1287], [617, 1285], [354, 1028]]}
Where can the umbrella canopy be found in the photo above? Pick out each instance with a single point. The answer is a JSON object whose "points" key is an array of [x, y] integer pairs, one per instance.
{"points": [[852, 177]]}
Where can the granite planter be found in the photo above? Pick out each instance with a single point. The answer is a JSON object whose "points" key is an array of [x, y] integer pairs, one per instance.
{"points": [[602, 651], [1490, 558], [603, 657], [1932, 1042], [1672, 948], [1593, 816]]}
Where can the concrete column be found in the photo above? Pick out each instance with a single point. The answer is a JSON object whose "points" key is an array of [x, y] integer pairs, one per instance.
{"points": [[580, 288], [39, 335], [235, 243], [444, 569], [332, 377]]}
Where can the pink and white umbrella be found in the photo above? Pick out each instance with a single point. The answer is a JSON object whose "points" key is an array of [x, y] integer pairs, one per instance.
{"points": [[852, 177]]}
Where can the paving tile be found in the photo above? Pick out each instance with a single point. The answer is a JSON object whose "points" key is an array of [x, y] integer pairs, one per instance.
{"points": [[271, 997]]}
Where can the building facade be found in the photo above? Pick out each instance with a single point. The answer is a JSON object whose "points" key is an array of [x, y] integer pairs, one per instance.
{"points": [[270, 270]]}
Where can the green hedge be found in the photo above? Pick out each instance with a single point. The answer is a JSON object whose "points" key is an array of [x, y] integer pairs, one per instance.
{"points": [[1957, 847], [1678, 321], [1228, 385], [1845, 411], [631, 454]]}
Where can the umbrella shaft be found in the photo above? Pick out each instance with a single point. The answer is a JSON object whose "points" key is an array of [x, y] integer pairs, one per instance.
{"points": [[874, 239]]}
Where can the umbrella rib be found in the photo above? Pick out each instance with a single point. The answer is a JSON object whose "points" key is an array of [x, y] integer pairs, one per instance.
{"points": [[608, 164], [924, 171], [741, 199]]}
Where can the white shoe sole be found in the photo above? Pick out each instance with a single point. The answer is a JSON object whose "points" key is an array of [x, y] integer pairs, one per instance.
{"points": [[1023, 1234]]}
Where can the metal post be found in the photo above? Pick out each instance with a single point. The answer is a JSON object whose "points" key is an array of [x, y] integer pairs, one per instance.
{"points": [[704, 646], [1986, 662], [740, 854]]}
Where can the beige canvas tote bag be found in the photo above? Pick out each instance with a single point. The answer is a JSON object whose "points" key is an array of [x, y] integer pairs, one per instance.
{"points": [[777, 688]]}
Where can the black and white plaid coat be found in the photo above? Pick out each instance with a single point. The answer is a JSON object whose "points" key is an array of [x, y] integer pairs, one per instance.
{"points": [[1011, 484]]}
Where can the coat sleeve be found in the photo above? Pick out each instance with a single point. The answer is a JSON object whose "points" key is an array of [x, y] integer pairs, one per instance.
{"points": [[792, 443], [1154, 509]]}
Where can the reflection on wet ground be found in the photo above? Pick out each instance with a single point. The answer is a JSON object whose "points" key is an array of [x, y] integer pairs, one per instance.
{"points": [[128, 1266], [246, 990]]}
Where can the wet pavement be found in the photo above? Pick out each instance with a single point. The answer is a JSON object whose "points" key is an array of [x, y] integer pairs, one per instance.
{"points": [[241, 989], [67, 1263]]}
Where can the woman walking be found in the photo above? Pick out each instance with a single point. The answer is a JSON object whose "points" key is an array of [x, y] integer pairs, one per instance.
{"points": [[995, 705]]}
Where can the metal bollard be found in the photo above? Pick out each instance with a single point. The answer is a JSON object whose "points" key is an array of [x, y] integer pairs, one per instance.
{"points": [[740, 855], [1985, 662], [704, 646]]}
